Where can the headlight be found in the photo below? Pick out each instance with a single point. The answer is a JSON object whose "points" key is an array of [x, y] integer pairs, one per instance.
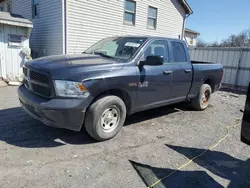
{"points": [[70, 89]]}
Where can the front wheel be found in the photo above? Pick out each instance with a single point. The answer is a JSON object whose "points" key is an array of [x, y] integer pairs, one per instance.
{"points": [[201, 101], [105, 117]]}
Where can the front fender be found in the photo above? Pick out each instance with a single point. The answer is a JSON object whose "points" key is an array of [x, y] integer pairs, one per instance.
{"points": [[123, 80]]}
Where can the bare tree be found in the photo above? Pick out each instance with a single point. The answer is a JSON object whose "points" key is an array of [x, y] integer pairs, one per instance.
{"points": [[240, 40], [201, 43], [214, 44]]}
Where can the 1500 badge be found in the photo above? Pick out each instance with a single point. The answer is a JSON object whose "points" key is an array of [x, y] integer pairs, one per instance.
{"points": [[140, 84]]}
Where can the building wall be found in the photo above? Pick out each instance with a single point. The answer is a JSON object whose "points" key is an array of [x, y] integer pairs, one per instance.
{"points": [[191, 38], [88, 22], [47, 34], [22, 7], [11, 58]]}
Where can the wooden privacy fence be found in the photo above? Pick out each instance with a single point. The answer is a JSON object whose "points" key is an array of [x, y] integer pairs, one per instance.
{"points": [[236, 63]]}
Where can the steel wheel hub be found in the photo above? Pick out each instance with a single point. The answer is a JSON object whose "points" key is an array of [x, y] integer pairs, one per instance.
{"points": [[205, 97], [110, 119]]}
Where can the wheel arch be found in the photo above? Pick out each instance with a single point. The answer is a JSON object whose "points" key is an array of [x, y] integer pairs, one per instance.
{"points": [[121, 93], [211, 82]]}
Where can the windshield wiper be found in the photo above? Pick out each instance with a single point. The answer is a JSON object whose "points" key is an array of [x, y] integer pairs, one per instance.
{"points": [[103, 55]]}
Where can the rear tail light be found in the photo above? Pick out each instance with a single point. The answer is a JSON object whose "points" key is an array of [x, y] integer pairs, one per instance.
{"points": [[222, 73]]}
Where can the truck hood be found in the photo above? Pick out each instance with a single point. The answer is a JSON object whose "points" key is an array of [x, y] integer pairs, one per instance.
{"points": [[70, 66]]}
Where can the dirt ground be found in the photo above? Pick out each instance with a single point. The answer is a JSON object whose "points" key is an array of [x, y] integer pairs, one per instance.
{"points": [[151, 145]]}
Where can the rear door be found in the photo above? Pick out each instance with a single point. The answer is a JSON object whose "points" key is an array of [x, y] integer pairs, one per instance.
{"points": [[182, 70]]}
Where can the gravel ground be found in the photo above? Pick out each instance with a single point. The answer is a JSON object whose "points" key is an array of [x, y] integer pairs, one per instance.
{"points": [[159, 140]]}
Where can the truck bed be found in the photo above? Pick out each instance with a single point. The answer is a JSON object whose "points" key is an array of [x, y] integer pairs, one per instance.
{"points": [[201, 62]]}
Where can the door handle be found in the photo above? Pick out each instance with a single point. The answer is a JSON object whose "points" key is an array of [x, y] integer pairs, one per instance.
{"points": [[167, 72], [187, 70]]}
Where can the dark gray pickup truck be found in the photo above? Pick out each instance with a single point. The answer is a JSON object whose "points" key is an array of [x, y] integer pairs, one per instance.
{"points": [[117, 76]]}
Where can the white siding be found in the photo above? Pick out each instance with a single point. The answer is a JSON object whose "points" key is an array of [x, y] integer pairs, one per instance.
{"points": [[89, 21], [12, 59], [47, 34], [190, 38]]}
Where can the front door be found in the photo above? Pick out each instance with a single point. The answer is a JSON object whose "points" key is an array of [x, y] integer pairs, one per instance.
{"points": [[155, 81], [182, 71]]}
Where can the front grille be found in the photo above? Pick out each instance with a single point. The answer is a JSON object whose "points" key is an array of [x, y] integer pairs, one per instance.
{"points": [[37, 83], [25, 71], [41, 90], [25, 82], [39, 77]]}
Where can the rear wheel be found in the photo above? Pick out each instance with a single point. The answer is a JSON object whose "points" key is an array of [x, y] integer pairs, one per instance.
{"points": [[201, 101], [105, 117]]}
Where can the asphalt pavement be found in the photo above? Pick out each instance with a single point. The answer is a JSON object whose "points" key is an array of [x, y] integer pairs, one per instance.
{"points": [[151, 145]]}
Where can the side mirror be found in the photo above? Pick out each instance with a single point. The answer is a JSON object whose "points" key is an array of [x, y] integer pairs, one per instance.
{"points": [[152, 61]]}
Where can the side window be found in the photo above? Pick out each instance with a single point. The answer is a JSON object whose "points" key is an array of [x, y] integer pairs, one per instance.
{"points": [[157, 48], [35, 9], [179, 53]]}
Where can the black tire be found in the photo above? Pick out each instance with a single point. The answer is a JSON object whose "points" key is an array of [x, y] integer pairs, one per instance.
{"points": [[198, 102], [93, 120]]}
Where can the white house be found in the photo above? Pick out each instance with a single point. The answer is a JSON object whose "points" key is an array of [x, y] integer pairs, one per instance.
{"points": [[14, 42], [71, 26], [191, 36]]}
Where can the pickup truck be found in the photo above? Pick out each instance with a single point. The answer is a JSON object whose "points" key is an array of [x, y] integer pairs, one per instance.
{"points": [[115, 77]]}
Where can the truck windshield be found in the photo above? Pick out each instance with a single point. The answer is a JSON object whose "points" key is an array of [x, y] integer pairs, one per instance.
{"points": [[122, 48]]}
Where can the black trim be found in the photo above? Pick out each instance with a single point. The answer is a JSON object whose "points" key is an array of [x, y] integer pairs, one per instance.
{"points": [[186, 7]]}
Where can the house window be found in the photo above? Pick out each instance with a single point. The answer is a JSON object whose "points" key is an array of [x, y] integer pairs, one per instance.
{"points": [[152, 17], [15, 40], [5, 6], [129, 12], [191, 40], [9, 6], [35, 4]]}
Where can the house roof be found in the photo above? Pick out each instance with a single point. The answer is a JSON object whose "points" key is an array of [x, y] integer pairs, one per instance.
{"points": [[14, 19], [186, 6], [191, 31]]}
